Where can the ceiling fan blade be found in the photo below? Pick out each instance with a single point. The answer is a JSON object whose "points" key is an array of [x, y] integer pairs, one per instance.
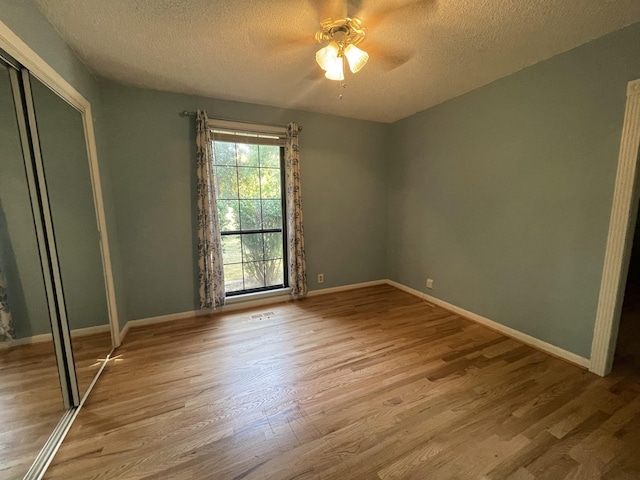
{"points": [[327, 8], [315, 74], [353, 8], [389, 60], [286, 43], [376, 16]]}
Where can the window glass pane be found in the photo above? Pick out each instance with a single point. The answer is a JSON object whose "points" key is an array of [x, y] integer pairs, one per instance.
{"points": [[228, 215], [249, 182], [269, 156], [231, 250], [254, 275], [272, 245], [271, 214], [224, 153], [247, 155], [233, 277], [226, 182], [250, 214], [249, 193], [270, 182], [274, 273], [252, 247]]}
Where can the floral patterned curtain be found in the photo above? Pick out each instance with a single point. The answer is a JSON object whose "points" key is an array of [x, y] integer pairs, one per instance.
{"points": [[295, 230], [212, 292], [6, 329]]}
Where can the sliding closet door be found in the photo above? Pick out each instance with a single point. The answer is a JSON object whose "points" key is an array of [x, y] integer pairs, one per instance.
{"points": [[63, 149], [31, 399]]}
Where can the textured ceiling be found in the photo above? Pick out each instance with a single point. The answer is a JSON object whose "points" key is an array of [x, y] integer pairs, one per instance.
{"points": [[423, 52]]}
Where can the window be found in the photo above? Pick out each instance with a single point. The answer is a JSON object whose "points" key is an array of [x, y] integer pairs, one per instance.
{"points": [[249, 178]]}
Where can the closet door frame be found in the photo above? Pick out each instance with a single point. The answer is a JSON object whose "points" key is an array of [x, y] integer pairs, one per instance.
{"points": [[14, 46]]}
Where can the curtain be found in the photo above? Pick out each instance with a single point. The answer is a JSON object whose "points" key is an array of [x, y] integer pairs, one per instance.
{"points": [[295, 231], [6, 329], [212, 292]]}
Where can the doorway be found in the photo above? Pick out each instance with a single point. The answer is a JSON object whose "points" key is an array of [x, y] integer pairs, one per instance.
{"points": [[619, 239], [627, 353]]}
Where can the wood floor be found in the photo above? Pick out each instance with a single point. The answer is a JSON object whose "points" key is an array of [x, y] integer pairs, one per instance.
{"points": [[31, 400], [366, 384], [88, 353], [30, 405]]}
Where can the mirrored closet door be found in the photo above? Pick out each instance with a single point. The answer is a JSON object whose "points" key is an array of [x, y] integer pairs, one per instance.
{"points": [[65, 164], [55, 324], [31, 400]]}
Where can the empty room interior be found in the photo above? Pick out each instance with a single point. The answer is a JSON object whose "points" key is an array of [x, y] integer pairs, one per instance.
{"points": [[346, 239]]}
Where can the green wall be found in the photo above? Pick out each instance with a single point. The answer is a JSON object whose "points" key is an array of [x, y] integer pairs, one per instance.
{"points": [[152, 166], [503, 195]]}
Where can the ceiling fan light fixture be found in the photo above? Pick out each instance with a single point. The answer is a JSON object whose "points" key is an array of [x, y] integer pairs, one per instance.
{"points": [[343, 36], [356, 57], [335, 69], [327, 56]]}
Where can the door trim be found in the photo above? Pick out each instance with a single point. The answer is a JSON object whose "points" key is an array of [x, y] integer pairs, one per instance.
{"points": [[619, 239]]}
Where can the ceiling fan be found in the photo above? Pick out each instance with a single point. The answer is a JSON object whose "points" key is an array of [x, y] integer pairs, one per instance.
{"points": [[343, 35], [346, 32]]}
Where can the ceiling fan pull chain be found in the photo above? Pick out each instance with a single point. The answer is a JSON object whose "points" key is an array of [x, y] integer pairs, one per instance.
{"points": [[341, 86]]}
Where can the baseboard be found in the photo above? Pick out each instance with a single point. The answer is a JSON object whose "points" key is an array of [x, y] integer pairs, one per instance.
{"points": [[267, 300], [161, 319], [42, 338], [201, 313], [343, 288], [83, 332], [509, 332], [47, 337]]}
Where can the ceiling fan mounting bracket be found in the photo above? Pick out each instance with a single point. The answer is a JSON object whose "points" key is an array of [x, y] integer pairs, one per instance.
{"points": [[344, 31]]}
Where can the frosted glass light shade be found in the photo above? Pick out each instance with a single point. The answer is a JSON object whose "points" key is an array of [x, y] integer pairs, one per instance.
{"points": [[335, 69], [355, 57], [327, 56]]}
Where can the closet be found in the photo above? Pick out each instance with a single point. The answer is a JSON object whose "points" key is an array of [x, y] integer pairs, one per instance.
{"points": [[57, 313]]}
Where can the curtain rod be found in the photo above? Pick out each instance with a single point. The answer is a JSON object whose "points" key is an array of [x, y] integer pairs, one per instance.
{"points": [[186, 113]]}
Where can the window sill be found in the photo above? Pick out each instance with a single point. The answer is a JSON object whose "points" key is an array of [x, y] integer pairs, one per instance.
{"points": [[257, 296]]}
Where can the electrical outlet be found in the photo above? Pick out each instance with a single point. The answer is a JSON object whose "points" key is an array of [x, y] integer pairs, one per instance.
{"points": [[321, 278], [429, 283]]}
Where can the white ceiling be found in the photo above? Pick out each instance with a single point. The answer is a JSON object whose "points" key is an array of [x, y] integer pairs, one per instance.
{"points": [[423, 52]]}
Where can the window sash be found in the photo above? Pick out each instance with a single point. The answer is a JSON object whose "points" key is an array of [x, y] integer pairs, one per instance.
{"points": [[259, 138], [246, 232]]}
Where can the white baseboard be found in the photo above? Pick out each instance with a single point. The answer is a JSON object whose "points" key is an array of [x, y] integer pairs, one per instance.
{"points": [[241, 305], [47, 337], [161, 319], [509, 332], [343, 288], [200, 313], [83, 332]]}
